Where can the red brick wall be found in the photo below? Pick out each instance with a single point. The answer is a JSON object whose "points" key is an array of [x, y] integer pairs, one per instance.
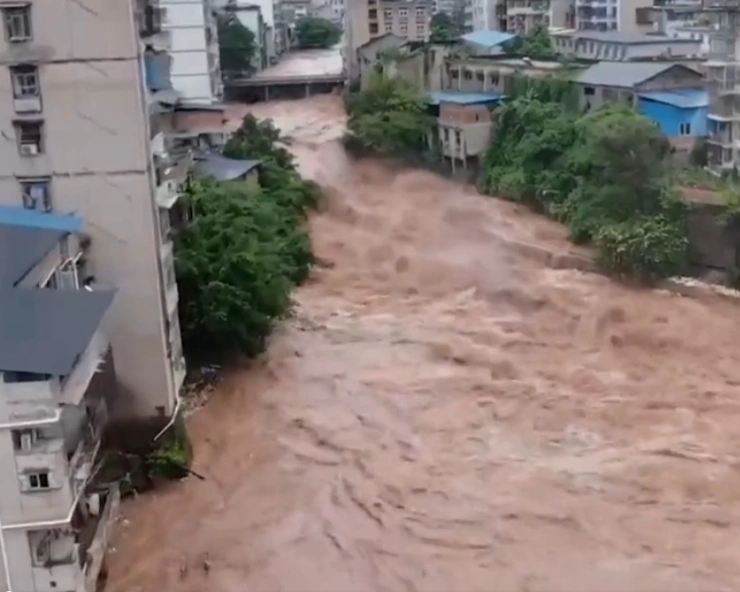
{"points": [[451, 113]]}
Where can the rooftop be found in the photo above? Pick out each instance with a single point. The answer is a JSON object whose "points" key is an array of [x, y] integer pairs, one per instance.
{"points": [[21, 249], [460, 98], [624, 38], [625, 74], [221, 168], [45, 331], [488, 39], [688, 98]]}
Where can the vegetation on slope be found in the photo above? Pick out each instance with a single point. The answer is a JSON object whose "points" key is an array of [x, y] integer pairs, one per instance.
{"points": [[604, 174], [389, 117], [246, 249], [316, 33]]}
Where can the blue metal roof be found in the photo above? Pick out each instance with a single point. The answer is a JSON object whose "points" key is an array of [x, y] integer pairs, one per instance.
{"points": [[488, 38], [688, 98], [18, 216], [461, 98]]}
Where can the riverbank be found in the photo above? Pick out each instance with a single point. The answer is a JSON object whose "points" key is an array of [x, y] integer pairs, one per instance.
{"points": [[445, 412]]}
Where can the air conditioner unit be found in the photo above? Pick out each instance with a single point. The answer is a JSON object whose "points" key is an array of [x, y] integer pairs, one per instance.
{"points": [[29, 149]]}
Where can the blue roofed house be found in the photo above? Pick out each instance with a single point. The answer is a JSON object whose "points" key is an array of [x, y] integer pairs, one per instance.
{"points": [[464, 124], [681, 114]]}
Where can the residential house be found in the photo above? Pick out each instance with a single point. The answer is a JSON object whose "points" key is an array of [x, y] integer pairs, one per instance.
{"points": [[193, 31], [88, 147], [607, 82], [464, 124], [621, 47], [681, 114], [57, 381], [494, 75], [220, 168]]}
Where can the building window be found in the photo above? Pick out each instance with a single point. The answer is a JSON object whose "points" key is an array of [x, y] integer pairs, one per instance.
{"points": [[589, 91], [373, 28], [480, 76], [403, 12], [388, 27], [420, 11], [372, 13], [388, 14], [404, 28], [468, 75], [23, 440], [684, 129], [454, 74], [25, 81], [420, 30], [29, 135], [17, 21], [38, 481], [494, 78], [37, 194], [446, 134]]}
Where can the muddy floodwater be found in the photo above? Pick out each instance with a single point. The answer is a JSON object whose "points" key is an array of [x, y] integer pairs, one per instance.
{"points": [[446, 414]]}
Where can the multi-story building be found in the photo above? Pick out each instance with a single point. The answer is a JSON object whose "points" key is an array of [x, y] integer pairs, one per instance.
{"points": [[723, 79], [625, 16], [82, 138], [193, 31], [57, 380], [525, 16]]}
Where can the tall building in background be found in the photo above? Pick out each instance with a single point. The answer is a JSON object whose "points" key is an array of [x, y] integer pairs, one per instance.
{"points": [[625, 16], [723, 78], [81, 97], [191, 24]]}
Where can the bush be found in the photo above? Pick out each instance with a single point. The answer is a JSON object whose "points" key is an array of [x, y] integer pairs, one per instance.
{"points": [[389, 117], [603, 174], [247, 248], [646, 249]]}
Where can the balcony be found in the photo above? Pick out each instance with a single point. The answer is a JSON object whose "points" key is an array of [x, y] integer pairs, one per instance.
{"points": [[83, 459]]}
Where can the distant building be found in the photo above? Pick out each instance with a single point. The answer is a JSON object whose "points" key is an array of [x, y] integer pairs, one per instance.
{"points": [[625, 16], [493, 76], [368, 19], [525, 16], [608, 82], [622, 47]]}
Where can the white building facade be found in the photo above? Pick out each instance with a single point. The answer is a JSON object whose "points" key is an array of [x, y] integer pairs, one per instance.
{"points": [[193, 31]]}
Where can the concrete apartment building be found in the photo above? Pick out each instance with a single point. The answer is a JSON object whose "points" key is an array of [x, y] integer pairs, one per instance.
{"points": [[81, 138], [193, 31], [57, 379], [369, 19], [625, 16]]}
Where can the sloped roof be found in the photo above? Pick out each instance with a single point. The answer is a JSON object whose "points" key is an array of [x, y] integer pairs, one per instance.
{"points": [[21, 249], [221, 168], [460, 98], [685, 98], [45, 331], [488, 39], [624, 74]]}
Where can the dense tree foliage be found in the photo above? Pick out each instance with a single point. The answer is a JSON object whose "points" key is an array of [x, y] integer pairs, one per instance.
{"points": [[316, 33], [389, 117], [245, 251], [604, 174], [443, 28], [236, 44], [536, 45]]}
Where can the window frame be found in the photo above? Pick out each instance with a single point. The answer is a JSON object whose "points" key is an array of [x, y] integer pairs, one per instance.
{"points": [[20, 75], [30, 202], [39, 475], [19, 130], [13, 14]]}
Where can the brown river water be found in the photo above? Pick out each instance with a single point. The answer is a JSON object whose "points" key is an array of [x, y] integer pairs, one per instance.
{"points": [[446, 414]]}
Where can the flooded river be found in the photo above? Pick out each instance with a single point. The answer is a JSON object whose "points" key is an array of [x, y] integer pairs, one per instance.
{"points": [[445, 414]]}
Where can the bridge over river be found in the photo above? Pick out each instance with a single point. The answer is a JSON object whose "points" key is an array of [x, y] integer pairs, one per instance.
{"points": [[299, 74]]}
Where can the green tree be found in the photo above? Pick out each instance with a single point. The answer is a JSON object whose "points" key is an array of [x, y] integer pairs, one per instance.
{"points": [[316, 33], [236, 44], [245, 251], [389, 117], [536, 45], [444, 29]]}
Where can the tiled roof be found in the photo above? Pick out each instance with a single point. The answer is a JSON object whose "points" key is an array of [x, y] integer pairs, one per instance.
{"points": [[624, 74]]}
